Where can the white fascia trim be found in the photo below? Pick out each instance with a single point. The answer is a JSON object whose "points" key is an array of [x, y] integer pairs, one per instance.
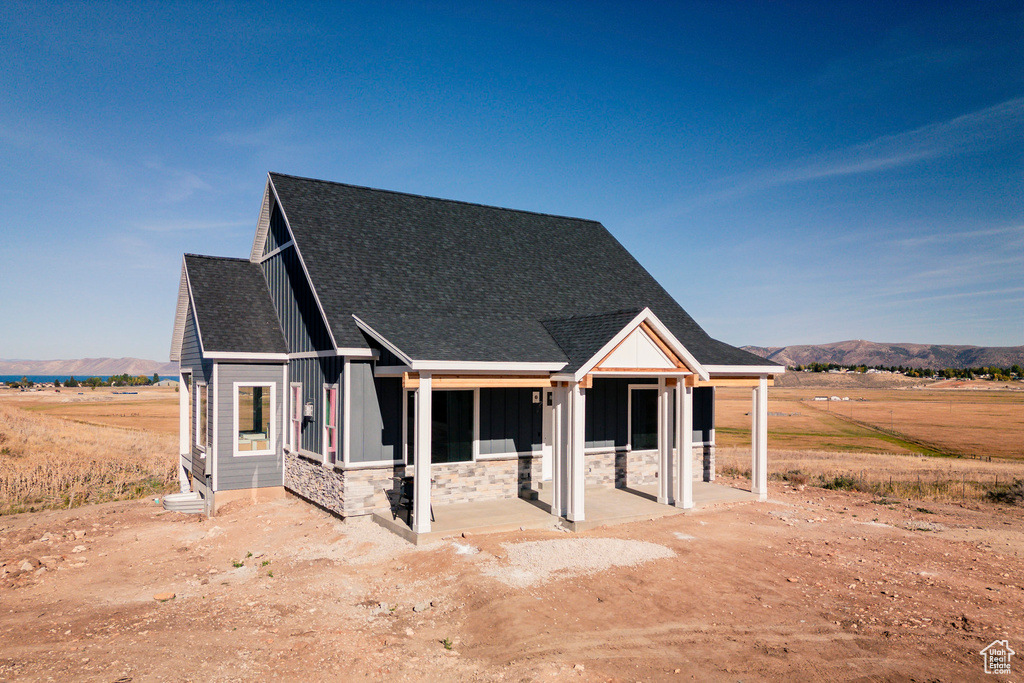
{"points": [[361, 354], [244, 355], [382, 339], [302, 262], [216, 430], [267, 257], [646, 315], [747, 370], [483, 366], [641, 373], [262, 226]]}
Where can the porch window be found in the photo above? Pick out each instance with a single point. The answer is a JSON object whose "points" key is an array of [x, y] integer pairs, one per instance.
{"points": [[254, 420], [451, 429], [331, 424], [201, 405], [452, 426], [643, 417], [295, 431]]}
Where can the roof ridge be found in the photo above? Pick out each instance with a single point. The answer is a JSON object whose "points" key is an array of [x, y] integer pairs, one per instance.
{"points": [[217, 258], [436, 199]]}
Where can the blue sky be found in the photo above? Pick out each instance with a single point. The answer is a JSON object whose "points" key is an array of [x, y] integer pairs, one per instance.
{"points": [[791, 172]]}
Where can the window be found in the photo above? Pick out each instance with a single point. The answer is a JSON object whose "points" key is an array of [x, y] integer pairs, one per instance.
{"points": [[452, 433], [254, 419], [643, 417], [201, 405], [295, 433], [452, 426], [330, 423]]}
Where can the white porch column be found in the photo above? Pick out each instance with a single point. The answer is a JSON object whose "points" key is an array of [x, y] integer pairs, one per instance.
{"points": [[184, 442], [559, 450], [665, 486], [759, 440], [576, 471], [684, 439], [421, 481]]}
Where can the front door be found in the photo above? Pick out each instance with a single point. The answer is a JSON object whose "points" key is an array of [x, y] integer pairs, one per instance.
{"points": [[548, 413]]}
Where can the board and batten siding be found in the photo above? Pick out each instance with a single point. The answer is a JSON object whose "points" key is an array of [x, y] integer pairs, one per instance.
{"points": [[510, 422], [313, 373], [247, 471], [607, 413], [375, 416], [301, 321]]}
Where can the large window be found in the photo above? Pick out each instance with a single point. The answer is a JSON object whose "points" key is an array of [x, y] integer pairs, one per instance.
{"points": [[201, 405], [451, 433], [643, 417], [452, 426], [331, 423], [295, 430], [254, 419]]}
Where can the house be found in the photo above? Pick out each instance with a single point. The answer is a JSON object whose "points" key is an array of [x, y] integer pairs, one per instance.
{"points": [[478, 350]]}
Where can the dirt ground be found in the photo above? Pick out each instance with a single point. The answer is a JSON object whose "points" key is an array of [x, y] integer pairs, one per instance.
{"points": [[812, 585]]}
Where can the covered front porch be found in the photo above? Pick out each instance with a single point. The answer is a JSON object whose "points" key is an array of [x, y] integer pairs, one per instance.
{"points": [[608, 436], [604, 507]]}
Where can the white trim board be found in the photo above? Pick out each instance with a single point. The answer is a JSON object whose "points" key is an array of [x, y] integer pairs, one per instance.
{"points": [[724, 370]]}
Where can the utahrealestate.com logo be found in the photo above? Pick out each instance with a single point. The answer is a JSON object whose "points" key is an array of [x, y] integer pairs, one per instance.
{"points": [[997, 657]]}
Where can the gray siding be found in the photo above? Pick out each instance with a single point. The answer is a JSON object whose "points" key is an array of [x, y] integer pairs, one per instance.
{"points": [[303, 325], [376, 415], [246, 471], [608, 410], [510, 422], [313, 373]]}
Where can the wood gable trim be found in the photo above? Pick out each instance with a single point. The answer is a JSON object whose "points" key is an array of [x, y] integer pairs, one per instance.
{"points": [[647, 322]]}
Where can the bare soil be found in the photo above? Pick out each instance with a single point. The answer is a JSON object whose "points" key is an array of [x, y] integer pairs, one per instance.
{"points": [[812, 585]]}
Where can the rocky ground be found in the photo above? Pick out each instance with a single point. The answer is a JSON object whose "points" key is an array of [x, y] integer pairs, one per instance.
{"points": [[813, 585]]}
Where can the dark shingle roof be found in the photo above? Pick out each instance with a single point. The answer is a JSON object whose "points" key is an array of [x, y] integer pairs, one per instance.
{"points": [[582, 337], [462, 281], [233, 305]]}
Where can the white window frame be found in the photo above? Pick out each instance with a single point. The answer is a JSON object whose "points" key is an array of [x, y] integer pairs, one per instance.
{"points": [[295, 407], [476, 431], [629, 416], [202, 388], [271, 420], [324, 441]]}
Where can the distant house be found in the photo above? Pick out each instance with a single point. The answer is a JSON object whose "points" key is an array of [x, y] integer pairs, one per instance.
{"points": [[166, 383], [479, 350]]}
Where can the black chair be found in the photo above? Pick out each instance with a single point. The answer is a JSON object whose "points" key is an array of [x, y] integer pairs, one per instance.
{"points": [[401, 497]]}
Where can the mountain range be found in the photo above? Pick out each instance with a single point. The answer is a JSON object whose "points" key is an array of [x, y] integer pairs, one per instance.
{"points": [[85, 367], [860, 352]]}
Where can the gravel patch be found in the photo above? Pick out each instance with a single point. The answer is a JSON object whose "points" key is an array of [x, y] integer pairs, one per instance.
{"points": [[364, 542], [534, 562]]}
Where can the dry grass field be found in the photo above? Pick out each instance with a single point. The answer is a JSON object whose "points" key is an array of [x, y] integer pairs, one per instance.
{"points": [[947, 444], [68, 449]]}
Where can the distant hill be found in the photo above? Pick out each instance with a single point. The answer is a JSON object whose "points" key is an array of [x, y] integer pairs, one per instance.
{"points": [[859, 352], [85, 367]]}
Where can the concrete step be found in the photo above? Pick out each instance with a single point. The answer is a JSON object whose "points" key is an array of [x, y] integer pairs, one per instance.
{"points": [[188, 503]]}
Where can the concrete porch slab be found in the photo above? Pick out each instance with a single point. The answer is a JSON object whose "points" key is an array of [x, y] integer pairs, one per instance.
{"points": [[604, 506], [484, 517]]}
